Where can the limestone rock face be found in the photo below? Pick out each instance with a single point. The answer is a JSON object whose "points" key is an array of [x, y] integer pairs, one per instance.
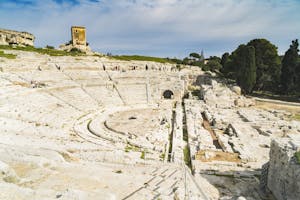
{"points": [[69, 47], [221, 96], [284, 170], [236, 89], [8, 37]]}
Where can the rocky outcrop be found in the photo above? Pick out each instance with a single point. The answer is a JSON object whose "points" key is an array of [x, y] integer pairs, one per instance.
{"points": [[284, 170], [9, 37], [70, 47], [220, 95]]}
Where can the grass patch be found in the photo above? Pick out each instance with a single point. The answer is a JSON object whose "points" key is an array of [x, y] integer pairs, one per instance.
{"points": [[47, 51], [129, 148], [7, 55], [187, 156], [296, 117], [162, 156], [270, 95], [142, 58], [297, 155], [195, 91], [185, 134]]}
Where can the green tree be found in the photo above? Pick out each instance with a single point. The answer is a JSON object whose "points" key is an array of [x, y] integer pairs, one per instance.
{"points": [[244, 59], [298, 78], [229, 67], [268, 66], [225, 59], [213, 65], [289, 71], [215, 58], [195, 55]]}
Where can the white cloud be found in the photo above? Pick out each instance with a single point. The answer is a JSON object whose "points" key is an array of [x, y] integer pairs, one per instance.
{"points": [[151, 25]]}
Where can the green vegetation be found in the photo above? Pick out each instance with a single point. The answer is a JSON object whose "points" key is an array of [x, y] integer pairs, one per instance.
{"points": [[290, 72], [195, 91], [296, 117], [129, 148], [185, 134], [49, 47], [7, 55], [118, 171], [297, 155], [168, 126], [162, 156], [267, 64], [195, 55], [246, 73], [142, 58], [143, 155], [275, 74], [187, 156], [47, 51], [213, 65]]}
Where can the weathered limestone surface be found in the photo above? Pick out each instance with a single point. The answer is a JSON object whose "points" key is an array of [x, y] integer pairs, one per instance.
{"points": [[83, 127], [72, 128], [284, 170], [217, 94], [8, 37]]}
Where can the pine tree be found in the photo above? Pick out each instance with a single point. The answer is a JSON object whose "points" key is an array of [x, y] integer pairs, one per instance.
{"points": [[244, 59], [268, 66], [289, 72]]}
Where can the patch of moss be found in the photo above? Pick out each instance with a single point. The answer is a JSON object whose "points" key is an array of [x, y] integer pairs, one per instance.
{"points": [[7, 55], [143, 155]]}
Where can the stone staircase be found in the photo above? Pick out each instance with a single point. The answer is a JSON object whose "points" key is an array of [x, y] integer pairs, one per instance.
{"points": [[164, 181]]}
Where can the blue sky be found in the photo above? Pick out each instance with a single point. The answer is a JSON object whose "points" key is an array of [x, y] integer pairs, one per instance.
{"points": [[172, 28]]}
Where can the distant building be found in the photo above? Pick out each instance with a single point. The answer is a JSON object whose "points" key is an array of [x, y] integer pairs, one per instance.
{"points": [[78, 35], [78, 40]]}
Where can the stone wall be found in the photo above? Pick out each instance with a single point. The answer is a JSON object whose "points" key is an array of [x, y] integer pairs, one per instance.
{"points": [[78, 35], [8, 37], [284, 171]]}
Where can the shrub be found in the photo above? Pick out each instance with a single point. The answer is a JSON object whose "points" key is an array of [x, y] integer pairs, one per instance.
{"points": [[75, 50], [297, 155], [51, 52], [142, 58], [49, 47]]}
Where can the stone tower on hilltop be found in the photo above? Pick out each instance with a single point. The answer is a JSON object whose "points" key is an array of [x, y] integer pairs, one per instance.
{"points": [[78, 40], [78, 35]]}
